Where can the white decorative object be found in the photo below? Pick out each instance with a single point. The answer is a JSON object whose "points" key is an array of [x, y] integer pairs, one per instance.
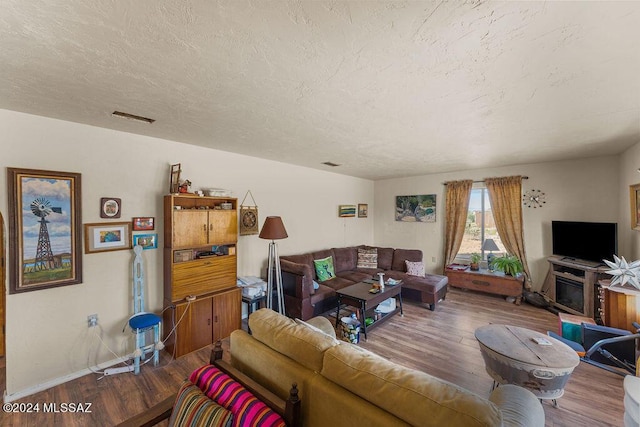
{"points": [[623, 272], [381, 281]]}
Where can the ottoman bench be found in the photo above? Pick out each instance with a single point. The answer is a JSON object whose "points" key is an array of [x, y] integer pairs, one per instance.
{"points": [[429, 289]]}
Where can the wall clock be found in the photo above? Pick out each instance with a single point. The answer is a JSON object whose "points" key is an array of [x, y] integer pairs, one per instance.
{"points": [[533, 198]]}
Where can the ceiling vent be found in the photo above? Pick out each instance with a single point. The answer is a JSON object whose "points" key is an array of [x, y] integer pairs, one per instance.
{"points": [[128, 116], [333, 165]]}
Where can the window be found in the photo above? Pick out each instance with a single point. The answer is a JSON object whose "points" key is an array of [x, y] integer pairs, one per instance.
{"points": [[480, 226]]}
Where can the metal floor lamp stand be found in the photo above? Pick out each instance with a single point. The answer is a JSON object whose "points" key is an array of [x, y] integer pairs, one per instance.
{"points": [[274, 263]]}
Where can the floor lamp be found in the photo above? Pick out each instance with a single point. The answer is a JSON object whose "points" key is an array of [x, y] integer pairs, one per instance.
{"points": [[273, 229]]}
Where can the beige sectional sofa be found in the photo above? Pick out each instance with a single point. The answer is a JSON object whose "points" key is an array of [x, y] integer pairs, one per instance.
{"points": [[344, 385]]}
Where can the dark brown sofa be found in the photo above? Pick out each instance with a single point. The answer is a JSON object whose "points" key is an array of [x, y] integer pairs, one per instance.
{"points": [[304, 302]]}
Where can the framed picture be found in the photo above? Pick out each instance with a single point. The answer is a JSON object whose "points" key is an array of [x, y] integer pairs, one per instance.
{"points": [[416, 208], [110, 207], [107, 236], [345, 211], [634, 192], [174, 178], [44, 229], [363, 210], [147, 241], [143, 223]]}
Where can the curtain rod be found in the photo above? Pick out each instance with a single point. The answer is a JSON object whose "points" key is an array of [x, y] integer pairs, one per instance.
{"points": [[476, 182]]}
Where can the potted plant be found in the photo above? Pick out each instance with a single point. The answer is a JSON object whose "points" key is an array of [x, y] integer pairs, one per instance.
{"points": [[508, 264], [475, 261]]}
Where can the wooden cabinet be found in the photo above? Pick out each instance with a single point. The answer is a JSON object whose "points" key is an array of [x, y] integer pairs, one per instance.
{"points": [[204, 321], [487, 281], [200, 270], [194, 228]]}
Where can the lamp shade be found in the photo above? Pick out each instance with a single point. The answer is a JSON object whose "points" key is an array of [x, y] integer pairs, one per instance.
{"points": [[273, 229], [490, 245]]}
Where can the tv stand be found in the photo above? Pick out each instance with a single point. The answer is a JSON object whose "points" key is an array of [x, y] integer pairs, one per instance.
{"points": [[582, 262], [570, 284]]}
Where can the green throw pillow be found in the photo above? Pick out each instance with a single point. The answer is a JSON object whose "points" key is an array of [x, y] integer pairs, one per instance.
{"points": [[324, 268]]}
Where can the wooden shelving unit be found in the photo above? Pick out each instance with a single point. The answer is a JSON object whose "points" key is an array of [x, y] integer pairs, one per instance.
{"points": [[200, 270], [577, 277]]}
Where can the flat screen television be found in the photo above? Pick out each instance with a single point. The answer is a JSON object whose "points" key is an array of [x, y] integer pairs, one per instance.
{"points": [[589, 241]]}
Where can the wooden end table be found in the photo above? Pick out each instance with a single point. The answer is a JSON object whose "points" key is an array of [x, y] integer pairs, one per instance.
{"points": [[358, 295], [493, 282]]}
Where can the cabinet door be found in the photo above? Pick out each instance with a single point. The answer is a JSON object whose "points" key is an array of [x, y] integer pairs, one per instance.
{"points": [[227, 312], [223, 227], [189, 228], [195, 329]]}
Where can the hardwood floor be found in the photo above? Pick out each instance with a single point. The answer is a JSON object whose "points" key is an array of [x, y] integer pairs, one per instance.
{"points": [[441, 343]]}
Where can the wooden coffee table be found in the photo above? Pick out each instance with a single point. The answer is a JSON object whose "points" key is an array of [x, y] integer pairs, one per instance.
{"points": [[358, 295], [512, 356]]}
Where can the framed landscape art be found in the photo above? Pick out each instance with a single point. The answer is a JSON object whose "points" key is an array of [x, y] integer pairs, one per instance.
{"points": [[420, 208], [45, 226]]}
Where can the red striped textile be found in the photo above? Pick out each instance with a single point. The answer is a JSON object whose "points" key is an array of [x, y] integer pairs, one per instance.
{"points": [[247, 410]]}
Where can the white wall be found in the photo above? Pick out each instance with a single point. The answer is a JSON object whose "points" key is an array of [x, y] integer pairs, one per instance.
{"points": [[47, 336], [629, 239], [580, 190]]}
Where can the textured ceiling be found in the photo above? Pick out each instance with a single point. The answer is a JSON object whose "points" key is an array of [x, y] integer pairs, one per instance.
{"points": [[384, 88]]}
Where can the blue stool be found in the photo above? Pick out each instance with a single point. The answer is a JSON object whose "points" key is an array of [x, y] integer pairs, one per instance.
{"points": [[141, 321]]}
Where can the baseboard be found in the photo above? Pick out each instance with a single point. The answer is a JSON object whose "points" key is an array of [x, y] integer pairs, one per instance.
{"points": [[60, 380]]}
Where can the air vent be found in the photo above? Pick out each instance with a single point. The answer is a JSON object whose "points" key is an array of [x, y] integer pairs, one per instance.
{"points": [[333, 165], [132, 117]]}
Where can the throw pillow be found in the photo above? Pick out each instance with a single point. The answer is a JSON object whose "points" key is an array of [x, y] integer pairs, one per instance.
{"points": [[324, 268], [415, 268], [368, 258], [193, 408], [247, 410]]}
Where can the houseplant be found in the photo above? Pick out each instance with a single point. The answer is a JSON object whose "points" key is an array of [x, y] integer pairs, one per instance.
{"points": [[509, 264], [475, 261]]}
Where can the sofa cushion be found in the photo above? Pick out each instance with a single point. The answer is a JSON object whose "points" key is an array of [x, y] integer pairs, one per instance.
{"points": [[344, 258], [193, 408], [367, 258], [411, 395], [247, 410], [287, 337], [354, 276], [324, 268], [402, 255], [415, 268], [385, 258], [338, 283]]}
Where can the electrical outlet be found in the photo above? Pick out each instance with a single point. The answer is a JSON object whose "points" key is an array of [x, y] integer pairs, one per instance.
{"points": [[433, 259], [92, 320]]}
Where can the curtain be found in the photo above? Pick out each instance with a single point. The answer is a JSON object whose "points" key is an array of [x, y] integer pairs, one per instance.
{"points": [[456, 208], [505, 195]]}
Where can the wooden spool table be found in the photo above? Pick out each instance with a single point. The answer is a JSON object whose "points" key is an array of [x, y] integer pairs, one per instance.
{"points": [[512, 356]]}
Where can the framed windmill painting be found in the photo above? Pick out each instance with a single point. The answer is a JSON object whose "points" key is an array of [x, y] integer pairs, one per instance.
{"points": [[44, 229]]}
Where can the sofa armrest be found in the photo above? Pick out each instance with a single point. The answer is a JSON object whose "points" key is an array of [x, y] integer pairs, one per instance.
{"points": [[153, 415], [519, 406], [299, 280]]}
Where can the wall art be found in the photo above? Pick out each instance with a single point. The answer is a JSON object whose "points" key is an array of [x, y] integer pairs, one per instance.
{"points": [[44, 228], [420, 208]]}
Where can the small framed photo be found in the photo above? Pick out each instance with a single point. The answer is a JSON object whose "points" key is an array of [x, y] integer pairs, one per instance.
{"points": [[345, 211], [110, 207], [147, 241], [143, 223], [107, 236], [363, 210]]}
